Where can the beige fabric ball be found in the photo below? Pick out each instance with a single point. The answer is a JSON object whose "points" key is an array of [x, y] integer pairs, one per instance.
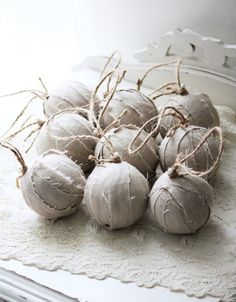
{"points": [[70, 94], [64, 132], [145, 160], [180, 205], [139, 108], [53, 186], [185, 140], [196, 107], [116, 195]]}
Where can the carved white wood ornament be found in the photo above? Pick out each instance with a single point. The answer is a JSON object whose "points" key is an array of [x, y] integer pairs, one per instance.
{"points": [[190, 45], [209, 65]]}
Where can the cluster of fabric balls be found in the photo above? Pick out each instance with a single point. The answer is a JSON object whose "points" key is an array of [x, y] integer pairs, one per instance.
{"points": [[105, 152]]}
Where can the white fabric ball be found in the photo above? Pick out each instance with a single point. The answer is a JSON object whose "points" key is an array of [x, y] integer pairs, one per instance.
{"points": [[139, 108], [53, 186], [64, 132], [116, 195], [180, 205], [145, 160], [70, 94], [196, 107]]}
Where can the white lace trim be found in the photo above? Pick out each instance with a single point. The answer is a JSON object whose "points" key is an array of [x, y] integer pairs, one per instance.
{"points": [[199, 265]]}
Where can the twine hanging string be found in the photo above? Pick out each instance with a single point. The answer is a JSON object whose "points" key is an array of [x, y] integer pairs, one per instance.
{"points": [[111, 57], [39, 123], [101, 133], [140, 81], [115, 67], [171, 88], [44, 95], [34, 139], [176, 113], [18, 156], [37, 94], [115, 158], [43, 85], [33, 131], [18, 117], [96, 121], [110, 95], [167, 86], [91, 112], [104, 71], [83, 111], [105, 75], [179, 164], [116, 121], [25, 121], [179, 124]]}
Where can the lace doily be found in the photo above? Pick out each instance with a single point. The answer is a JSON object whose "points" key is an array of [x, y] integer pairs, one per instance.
{"points": [[199, 265]]}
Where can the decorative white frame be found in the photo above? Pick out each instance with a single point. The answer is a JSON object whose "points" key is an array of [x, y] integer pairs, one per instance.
{"points": [[195, 48], [209, 65]]}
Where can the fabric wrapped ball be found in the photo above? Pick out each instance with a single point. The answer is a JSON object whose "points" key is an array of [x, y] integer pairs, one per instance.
{"points": [[180, 205], [139, 109], [196, 107], [53, 186], [145, 160], [116, 195], [70, 94], [185, 140], [67, 132]]}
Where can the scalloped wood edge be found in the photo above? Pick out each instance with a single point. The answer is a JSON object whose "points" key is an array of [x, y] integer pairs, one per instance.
{"points": [[219, 86], [16, 288], [209, 65], [197, 49]]}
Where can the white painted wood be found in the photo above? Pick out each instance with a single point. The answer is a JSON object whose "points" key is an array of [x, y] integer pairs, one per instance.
{"points": [[15, 288], [93, 290], [209, 65], [220, 86], [190, 45]]}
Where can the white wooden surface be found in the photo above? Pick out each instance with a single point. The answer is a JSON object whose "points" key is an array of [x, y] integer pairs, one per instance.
{"points": [[86, 290], [16, 288], [193, 46], [30, 50], [209, 64]]}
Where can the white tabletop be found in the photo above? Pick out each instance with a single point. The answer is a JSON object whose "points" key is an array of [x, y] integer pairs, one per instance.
{"points": [[92, 290], [23, 58]]}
